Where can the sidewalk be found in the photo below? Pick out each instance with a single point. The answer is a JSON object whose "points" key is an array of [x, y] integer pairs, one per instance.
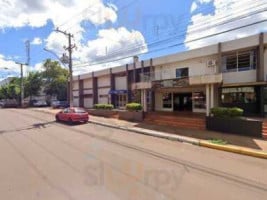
{"points": [[235, 143]]}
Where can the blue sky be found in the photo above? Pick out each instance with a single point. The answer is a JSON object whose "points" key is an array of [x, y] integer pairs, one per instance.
{"points": [[116, 30]]}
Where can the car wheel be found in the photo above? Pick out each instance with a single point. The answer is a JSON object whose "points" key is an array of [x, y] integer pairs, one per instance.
{"points": [[70, 121], [57, 119]]}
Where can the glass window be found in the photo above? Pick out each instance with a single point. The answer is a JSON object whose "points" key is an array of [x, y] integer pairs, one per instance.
{"points": [[242, 95], [199, 99], [240, 61], [167, 100], [181, 72]]}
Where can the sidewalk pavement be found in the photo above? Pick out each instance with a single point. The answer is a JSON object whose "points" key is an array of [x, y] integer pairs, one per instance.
{"points": [[235, 143]]}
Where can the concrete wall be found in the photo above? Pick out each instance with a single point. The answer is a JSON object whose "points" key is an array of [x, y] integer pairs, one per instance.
{"points": [[88, 83], [240, 43], [103, 81], [101, 92], [265, 65], [121, 83], [88, 102], [239, 77], [197, 66]]}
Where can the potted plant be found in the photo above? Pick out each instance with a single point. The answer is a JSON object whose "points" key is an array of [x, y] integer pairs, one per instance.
{"points": [[133, 112]]}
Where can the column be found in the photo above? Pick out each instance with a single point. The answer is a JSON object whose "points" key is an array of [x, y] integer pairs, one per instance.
{"points": [[207, 99], [211, 95], [145, 101]]}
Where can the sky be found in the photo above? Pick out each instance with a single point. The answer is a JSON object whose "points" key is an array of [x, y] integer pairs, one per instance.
{"points": [[109, 33]]}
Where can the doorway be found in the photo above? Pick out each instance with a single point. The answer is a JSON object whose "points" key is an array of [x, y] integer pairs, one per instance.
{"points": [[182, 101]]}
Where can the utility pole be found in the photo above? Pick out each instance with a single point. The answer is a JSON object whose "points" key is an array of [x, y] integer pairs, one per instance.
{"points": [[21, 84], [69, 48]]}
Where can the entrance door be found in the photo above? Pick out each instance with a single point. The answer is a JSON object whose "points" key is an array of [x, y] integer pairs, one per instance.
{"points": [[182, 101]]}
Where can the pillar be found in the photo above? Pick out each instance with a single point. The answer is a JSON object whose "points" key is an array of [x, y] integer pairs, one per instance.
{"points": [[207, 99], [211, 96], [145, 101], [260, 67]]}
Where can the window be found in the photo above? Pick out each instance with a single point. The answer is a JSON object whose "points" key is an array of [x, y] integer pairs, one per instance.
{"points": [[181, 72], [167, 100], [199, 100], [122, 100], [242, 95], [240, 61]]}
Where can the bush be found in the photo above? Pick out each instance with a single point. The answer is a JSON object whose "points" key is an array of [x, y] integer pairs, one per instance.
{"points": [[104, 106], [134, 107], [226, 112]]}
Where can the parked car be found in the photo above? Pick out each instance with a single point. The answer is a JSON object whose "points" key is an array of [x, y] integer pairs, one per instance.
{"points": [[72, 114], [9, 103], [59, 104], [39, 103]]}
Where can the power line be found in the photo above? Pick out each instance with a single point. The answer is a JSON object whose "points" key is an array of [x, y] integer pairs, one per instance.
{"points": [[189, 41], [135, 47], [158, 42]]}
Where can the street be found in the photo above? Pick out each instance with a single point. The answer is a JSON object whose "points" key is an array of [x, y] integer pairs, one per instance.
{"points": [[42, 159]]}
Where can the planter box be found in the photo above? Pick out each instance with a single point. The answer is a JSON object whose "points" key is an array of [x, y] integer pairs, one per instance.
{"points": [[132, 116], [103, 113], [235, 126]]}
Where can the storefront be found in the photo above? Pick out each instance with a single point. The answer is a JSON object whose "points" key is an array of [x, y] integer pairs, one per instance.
{"points": [[120, 98], [249, 98], [181, 100]]}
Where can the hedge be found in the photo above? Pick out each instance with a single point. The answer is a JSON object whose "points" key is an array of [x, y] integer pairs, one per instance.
{"points": [[104, 106], [134, 107], [226, 112]]}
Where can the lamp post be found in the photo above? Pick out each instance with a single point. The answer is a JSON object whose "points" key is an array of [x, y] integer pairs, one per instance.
{"points": [[21, 83]]}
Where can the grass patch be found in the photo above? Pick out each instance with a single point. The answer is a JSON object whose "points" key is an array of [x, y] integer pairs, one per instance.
{"points": [[218, 141]]}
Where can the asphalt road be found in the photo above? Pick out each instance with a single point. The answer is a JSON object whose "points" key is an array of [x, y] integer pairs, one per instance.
{"points": [[42, 159]]}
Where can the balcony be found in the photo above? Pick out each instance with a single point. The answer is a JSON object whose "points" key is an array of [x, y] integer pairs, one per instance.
{"points": [[167, 77]]}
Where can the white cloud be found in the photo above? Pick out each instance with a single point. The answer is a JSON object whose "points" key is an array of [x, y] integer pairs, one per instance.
{"points": [[36, 41], [20, 13], [8, 67], [111, 44], [194, 7], [68, 15], [228, 15]]}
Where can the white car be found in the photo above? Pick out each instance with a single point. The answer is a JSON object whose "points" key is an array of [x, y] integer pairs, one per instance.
{"points": [[39, 103]]}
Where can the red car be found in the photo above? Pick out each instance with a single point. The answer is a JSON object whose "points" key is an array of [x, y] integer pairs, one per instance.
{"points": [[72, 115]]}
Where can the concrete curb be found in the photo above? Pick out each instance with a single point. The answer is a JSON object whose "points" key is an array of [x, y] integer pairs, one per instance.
{"points": [[193, 141], [151, 133], [234, 149]]}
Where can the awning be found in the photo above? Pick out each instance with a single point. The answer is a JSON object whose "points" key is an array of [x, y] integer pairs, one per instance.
{"points": [[118, 91], [244, 84]]}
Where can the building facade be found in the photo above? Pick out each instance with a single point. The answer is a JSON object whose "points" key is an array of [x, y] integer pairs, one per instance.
{"points": [[230, 74]]}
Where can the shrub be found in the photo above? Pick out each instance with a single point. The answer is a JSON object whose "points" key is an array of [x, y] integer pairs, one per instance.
{"points": [[226, 112], [235, 112], [104, 106], [134, 106]]}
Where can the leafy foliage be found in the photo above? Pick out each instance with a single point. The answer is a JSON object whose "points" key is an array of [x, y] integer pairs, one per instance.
{"points": [[134, 106], [56, 79], [104, 106], [227, 112]]}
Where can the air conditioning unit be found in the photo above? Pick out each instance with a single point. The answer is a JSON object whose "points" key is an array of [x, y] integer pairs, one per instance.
{"points": [[211, 63]]}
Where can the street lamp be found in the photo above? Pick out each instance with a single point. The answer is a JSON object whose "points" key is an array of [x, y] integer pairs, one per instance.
{"points": [[21, 83]]}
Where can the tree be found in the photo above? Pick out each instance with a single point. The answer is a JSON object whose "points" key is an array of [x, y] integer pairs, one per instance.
{"points": [[11, 90], [56, 79], [33, 84]]}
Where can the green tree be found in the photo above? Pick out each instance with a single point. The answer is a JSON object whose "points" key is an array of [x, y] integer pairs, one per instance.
{"points": [[33, 84], [11, 90], [56, 79]]}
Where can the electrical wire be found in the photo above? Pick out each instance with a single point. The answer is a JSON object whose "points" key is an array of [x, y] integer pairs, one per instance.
{"points": [[138, 47]]}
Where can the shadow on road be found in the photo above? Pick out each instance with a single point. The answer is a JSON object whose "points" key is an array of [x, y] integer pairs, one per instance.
{"points": [[31, 127]]}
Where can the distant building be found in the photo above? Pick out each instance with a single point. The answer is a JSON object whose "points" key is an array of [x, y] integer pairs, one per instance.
{"points": [[5, 81], [228, 74]]}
